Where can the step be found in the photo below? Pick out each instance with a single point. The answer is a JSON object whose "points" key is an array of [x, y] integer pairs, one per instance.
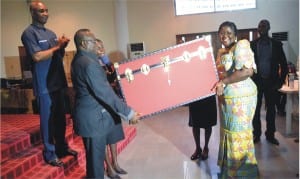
{"points": [[31, 163], [13, 141], [44, 171], [25, 122], [21, 162], [21, 159]]}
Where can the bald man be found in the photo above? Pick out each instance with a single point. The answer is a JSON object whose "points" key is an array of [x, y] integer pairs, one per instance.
{"points": [[46, 52], [97, 108]]}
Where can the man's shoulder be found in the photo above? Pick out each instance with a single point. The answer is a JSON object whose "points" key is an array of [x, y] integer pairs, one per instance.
{"points": [[81, 59], [35, 29], [27, 30], [254, 41]]}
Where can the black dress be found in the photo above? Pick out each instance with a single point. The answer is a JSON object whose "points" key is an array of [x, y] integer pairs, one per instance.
{"points": [[203, 113]]}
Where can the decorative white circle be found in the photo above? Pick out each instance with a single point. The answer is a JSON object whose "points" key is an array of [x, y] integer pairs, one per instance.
{"points": [[186, 56], [116, 65], [202, 53], [145, 69], [129, 75]]}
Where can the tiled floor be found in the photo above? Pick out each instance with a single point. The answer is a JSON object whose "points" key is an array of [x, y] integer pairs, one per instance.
{"points": [[164, 143]]}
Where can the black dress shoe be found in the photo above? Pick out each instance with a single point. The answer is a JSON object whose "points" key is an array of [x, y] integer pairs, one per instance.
{"points": [[120, 171], [256, 139], [111, 176], [204, 155], [273, 140], [196, 155], [67, 152], [56, 163]]}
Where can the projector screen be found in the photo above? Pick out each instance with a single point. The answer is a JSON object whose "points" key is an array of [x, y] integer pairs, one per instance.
{"points": [[188, 7]]}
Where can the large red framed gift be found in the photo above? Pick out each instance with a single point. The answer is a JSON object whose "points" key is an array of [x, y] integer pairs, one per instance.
{"points": [[168, 78]]}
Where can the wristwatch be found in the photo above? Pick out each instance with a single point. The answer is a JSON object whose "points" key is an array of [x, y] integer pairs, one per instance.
{"points": [[224, 85]]}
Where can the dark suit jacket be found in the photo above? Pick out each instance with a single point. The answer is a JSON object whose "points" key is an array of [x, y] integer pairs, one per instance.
{"points": [[278, 58], [95, 100]]}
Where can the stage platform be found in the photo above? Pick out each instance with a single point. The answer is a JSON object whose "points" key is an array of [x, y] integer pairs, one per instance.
{"points": [[21, 149]]}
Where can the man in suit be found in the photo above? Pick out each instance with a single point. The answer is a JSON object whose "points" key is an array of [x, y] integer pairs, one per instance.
{"points": [[97, 107], [46, 52], [269, 57]]}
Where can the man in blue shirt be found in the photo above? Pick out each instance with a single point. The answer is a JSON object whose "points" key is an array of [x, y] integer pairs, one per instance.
{"points": [[49, 82]]}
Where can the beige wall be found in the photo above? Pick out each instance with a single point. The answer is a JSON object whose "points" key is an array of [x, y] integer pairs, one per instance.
{"points": [[151, 21], [157, 25], [65, 17]]}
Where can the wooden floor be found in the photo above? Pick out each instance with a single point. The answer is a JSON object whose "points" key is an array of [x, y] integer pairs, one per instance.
{"points": [[164, 144]]}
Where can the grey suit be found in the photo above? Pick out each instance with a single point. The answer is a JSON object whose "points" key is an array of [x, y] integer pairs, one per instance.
{"points": [[97, 109]]}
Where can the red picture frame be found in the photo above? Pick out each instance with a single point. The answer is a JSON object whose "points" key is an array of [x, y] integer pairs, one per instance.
{"points": [[169, 78]]}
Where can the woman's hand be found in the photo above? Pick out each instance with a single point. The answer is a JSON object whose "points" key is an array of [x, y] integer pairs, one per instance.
{"points": [[219, 88], [222, 51]]}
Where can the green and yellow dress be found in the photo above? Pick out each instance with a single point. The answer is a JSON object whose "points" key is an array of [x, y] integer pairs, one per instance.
{"points": [[237, 106]]}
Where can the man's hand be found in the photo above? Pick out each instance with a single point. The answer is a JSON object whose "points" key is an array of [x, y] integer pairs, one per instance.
{"points": [[135, 119], [63, 41]]}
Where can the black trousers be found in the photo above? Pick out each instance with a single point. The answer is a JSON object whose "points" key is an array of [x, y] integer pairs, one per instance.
{"points": [[281, 102], [265, 88], [52, 123]]}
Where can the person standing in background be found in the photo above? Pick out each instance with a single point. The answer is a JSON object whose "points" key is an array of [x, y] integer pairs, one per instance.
{"points": [[49, 82], [202, 114], [269, 57], [110, 70], [116, 134], [237, 100]]}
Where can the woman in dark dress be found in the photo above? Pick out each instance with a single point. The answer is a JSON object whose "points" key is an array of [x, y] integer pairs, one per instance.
{"points": [[202, 114]]}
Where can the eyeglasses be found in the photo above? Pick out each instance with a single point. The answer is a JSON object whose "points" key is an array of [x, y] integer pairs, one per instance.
{"points": [[90, 40]]}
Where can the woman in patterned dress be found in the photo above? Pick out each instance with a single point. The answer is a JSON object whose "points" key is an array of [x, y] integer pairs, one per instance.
{"points": [[237, 99]]}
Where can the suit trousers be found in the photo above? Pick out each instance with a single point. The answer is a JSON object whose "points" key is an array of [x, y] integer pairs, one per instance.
{"points": [[95, 155], [265, 87]]}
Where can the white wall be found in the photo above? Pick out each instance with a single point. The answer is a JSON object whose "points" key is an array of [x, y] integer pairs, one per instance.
{"points": [[157, 25], [65, 17], [151, 21]]}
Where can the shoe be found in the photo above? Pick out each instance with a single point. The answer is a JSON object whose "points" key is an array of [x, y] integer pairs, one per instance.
{"points": [[67, 152], [256, 139], [273, 140], [204, 154], [115, 176], [196, 155], [56, 163], [120, 171]]}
